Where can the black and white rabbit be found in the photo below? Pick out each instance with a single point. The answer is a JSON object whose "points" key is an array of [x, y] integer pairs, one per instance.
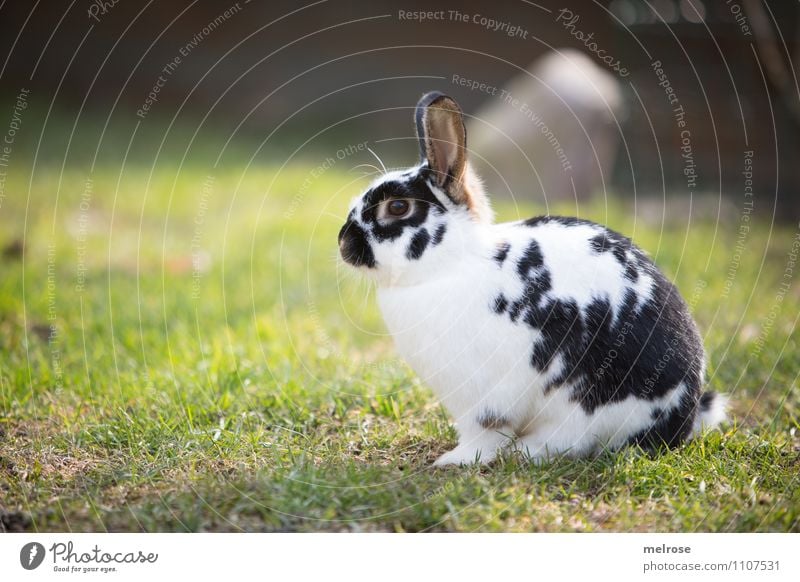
{"points": [[554, 335]]}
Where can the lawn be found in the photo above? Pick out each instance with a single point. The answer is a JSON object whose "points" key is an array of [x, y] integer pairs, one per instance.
{"points": [[184, 352]]}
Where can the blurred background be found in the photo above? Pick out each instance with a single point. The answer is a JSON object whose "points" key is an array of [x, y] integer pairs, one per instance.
{"points": [[283, 80]]}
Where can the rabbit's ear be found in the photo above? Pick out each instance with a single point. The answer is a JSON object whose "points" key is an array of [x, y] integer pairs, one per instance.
{"points": [[443, 142]]}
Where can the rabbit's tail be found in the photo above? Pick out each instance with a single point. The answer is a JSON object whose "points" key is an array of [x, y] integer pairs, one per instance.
{"points": [[711, 411]]}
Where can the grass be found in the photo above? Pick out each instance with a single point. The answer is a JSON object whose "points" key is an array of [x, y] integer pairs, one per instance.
{"points": [[185, 354]]}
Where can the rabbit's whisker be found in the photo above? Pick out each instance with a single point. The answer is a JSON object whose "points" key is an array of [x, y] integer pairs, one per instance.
{"points": [[380, 161], [376, 168]]}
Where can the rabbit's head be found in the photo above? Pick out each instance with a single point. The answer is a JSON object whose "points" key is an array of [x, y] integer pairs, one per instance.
{"points": [[408, 224]]}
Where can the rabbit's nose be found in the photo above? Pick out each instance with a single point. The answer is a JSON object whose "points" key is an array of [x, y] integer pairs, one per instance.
{"points": [[342, 231]]}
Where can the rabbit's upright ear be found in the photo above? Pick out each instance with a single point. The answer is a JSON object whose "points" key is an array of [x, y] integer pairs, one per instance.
{"points": [[443, 146], [443, 142]]}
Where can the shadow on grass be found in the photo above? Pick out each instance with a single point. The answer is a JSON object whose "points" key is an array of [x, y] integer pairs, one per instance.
{"points": [[731, 482]]}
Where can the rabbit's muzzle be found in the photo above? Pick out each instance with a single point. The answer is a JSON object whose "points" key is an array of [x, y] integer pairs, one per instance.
{"points": [[354, 247]]}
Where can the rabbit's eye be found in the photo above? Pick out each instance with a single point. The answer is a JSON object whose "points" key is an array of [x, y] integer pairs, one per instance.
{"points": [[398, 208]]}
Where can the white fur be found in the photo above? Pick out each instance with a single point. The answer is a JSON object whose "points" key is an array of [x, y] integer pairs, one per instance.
{"points": [[712, 417]]}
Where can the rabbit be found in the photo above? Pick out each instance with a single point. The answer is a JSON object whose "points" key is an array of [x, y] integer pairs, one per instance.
{"points": [[551, 336]]}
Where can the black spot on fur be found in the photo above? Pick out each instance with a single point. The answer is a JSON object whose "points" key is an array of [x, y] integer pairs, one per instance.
{"points": [[515, 310], [559, 322], [620, 246], [530, 260], [562, 220], [419, 242], [599, 243], [502, 252], [631, 272], [438, 236], [490, 420], [706, 400], [537, 282], [500, 304], [649, 351], [670, 427]]}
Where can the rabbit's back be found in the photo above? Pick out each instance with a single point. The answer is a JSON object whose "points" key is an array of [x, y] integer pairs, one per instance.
{"points": [[616, 328]]}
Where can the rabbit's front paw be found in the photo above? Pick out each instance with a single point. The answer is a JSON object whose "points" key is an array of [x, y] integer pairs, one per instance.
{"points": [[478, 444], [462, 455], [467, 454]]}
